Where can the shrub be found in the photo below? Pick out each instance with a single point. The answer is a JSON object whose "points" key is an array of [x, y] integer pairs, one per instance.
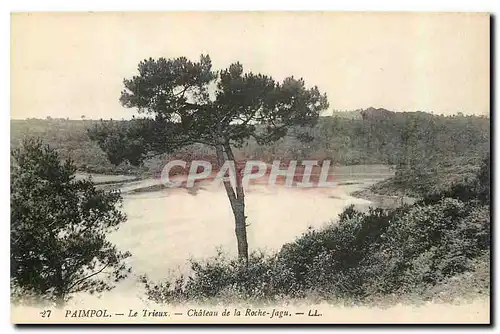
{"points": [[431, 243]]}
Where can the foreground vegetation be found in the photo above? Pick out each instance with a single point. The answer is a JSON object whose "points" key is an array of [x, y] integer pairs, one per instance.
{"points": [[437, 248]]}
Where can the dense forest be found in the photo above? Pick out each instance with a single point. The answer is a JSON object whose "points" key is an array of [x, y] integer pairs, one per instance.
{"points": [[436, 150]]}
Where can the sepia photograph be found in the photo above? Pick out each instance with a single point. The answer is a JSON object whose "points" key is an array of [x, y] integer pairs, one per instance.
{"points": [[250, 168]]}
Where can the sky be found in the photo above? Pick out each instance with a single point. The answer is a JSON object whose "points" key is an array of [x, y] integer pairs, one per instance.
{"points": [[73, 64]]}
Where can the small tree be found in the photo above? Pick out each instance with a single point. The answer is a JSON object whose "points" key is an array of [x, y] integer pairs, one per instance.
{"points": [[59, 226], [186, 102]]}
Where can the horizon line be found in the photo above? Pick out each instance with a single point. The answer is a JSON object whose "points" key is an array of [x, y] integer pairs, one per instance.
{"points": [[331, 114]]}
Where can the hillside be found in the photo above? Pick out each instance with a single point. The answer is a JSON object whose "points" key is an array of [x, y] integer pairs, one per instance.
{"points": [[419, 142]]}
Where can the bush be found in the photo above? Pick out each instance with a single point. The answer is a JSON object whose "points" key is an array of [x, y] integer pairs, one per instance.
{"points": [[220, 276]]}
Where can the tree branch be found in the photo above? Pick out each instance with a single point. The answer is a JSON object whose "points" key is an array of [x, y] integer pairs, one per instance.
{"points": [[85, 278]]}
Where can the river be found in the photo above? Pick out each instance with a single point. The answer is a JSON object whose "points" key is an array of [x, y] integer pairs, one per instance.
{"points": [[167, 228]]}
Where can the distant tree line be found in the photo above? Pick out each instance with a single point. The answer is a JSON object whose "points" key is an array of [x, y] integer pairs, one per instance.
{"points": [[406, 140]]}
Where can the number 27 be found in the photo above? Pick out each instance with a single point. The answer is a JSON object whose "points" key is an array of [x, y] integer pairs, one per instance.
{"points": [[45, 313]]}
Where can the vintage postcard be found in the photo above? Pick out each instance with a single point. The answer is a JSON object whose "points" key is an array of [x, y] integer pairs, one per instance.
{"points": [[250, 168]]}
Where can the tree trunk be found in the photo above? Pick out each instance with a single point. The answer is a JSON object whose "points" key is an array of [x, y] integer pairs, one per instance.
{"points": [[237, 201], [241, 230]]}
